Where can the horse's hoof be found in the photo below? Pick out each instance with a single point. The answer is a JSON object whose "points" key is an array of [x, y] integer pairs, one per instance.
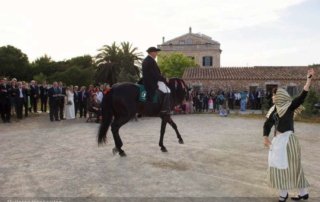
{"points": [[122, 154], [163, 149], [181, 141], [114, 151]]}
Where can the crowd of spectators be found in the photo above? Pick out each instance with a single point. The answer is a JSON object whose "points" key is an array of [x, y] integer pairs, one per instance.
{"points": [[222, 102], [19, 99]]}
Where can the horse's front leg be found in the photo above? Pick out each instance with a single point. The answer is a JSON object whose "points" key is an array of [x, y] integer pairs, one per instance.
{"points": [[174, 126], [164, 121]]}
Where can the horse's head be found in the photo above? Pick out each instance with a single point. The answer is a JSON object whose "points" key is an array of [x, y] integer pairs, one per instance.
{"points": [[179, 90]]}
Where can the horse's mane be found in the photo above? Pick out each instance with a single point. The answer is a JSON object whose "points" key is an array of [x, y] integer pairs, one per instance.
{"points": [[178, 87], [177, 84]]}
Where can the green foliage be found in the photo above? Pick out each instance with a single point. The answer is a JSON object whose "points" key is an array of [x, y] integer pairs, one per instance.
{"points": [[74, 76], [14, 63], [104, 74], [40, 78], [174, 64], [118, 64], [108, 54], [76, 71], [126, 76], [43, 65], [129, 63], [265, 105], [81, 61], [309, 103]]}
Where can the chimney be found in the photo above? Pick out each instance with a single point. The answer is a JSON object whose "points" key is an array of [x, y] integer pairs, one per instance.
{"points": [[190, 30], [163, 39]]}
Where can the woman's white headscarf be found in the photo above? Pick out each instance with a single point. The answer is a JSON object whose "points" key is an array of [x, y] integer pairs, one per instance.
{"points": [[282, 101]]}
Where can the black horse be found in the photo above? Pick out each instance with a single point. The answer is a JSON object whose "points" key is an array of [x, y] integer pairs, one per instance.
{"points": [[122, 103]]}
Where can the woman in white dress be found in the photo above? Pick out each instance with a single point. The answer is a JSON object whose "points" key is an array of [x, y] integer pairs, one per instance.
{"points": [[69, 108]]}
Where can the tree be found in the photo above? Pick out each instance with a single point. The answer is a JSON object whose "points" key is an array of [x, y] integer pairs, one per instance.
{"points": [[118, 64], [85, 61], [107, 62], [104, 73], [40, 78], [43, 65], [174, 64], [108, 54], [130, 62], [14, 63], [309, 103], [74, 76]]}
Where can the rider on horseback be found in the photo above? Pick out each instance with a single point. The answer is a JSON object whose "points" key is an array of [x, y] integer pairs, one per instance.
{"points": [[154, 82]]}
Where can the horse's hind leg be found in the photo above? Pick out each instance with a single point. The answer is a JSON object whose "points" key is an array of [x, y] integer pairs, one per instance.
{"points": [[115, 126], [164, 121], [174, 126]]}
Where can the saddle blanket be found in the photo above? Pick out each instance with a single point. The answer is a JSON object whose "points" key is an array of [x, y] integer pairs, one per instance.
{"points": [[143, 94]]}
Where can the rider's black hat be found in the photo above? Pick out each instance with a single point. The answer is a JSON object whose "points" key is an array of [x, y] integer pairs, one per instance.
{"points": [[153, 49]]}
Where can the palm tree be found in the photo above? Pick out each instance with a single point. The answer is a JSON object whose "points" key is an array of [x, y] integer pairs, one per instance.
{"points": [[108, 54], [117, 64], [108, 66], [130, 62], [105, 73]]}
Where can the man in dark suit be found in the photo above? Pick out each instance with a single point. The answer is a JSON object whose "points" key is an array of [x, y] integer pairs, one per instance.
{"points": [[44, 96], [21, 98], [5, 105], [61, 99], [53, 94], [34, 95], [231, 97], [13, 98], [153, 81], [76, 100], [83, 101], [25, 86]]}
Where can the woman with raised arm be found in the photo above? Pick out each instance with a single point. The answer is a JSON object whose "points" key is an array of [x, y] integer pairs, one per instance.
{"points": [[285, 171]]}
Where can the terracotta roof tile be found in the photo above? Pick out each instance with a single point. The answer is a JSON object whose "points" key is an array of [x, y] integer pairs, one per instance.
{"points": [[248, 73]]}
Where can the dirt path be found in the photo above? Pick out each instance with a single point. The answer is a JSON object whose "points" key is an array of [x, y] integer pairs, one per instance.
{"points": [[221, 157]]}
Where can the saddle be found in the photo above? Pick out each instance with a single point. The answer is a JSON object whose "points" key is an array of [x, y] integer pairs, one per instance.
{"points": [[143, 95]]}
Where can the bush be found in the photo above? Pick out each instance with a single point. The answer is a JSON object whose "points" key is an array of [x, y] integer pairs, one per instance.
{"points": [[74, 76], [265, 105], [309, 103], [40, 78]]}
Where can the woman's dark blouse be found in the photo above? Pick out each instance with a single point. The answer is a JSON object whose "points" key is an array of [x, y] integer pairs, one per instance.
{"points": [[285, 123]]}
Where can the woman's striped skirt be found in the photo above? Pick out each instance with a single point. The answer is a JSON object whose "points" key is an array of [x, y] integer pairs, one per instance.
{"points": [[292, 177]]}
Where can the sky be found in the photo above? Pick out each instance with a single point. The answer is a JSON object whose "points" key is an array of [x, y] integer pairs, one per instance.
{"points": [[251, 32]]}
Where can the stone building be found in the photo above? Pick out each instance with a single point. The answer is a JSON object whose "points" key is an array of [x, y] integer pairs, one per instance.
{"points": [[255, 78], [205, 51]]}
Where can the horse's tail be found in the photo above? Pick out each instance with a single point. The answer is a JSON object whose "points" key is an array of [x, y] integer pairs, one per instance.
{"points": [[107, 114]]}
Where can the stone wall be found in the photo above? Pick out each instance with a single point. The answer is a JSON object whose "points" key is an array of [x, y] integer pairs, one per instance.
{"points": [[239, 85]]}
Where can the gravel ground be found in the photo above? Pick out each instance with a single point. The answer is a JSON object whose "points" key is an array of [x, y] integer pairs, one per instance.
{"points": [[221, 157]]}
